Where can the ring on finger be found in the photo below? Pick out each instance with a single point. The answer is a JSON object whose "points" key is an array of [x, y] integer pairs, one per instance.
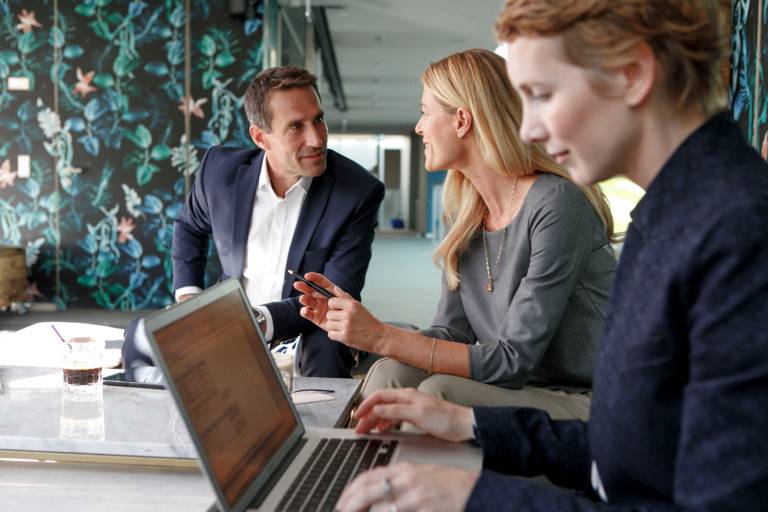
{"points": [[388, 493]]}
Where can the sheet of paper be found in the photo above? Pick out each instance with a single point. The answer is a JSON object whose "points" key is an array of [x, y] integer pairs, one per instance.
{"points": [[308, 397], [39, 345]]}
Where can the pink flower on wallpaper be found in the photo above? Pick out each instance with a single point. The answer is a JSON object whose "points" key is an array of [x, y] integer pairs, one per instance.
{"points": [[189, 104], [764, 149], [83, 86], [7, 178], [33, 292], [124, 229], [28, 21]]}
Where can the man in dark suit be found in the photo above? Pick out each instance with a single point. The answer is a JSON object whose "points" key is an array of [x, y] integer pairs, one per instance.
{"points": [[291, 204]]}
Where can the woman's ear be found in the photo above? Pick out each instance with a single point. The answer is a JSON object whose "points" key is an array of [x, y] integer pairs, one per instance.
{"points": [[639, 76], [462, 122]]}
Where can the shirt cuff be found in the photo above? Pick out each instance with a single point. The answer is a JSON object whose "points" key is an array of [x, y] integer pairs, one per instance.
{"points": [[475, 432], [269, 328], [186, 290]]}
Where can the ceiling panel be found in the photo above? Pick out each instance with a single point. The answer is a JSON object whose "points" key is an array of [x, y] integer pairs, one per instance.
{"points": [[383, 46]]}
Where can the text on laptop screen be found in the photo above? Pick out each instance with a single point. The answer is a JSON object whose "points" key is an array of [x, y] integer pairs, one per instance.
{"points": [[240, 424]]}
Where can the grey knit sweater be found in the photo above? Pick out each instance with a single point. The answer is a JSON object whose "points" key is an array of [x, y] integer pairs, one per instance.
{"points": [[542, 323]]}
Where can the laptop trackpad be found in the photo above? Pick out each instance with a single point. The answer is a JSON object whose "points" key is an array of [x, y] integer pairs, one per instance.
{"points": [[420, 449]]}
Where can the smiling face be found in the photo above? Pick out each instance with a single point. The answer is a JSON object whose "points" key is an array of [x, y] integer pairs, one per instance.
{"points": [[591, 133], [295, 144], [443, 149]]}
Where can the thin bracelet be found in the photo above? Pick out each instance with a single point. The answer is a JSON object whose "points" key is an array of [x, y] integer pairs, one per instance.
{"points": [[431, 356]]}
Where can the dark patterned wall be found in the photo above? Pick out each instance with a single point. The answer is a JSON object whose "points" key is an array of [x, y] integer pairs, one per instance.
{"points": [[744, 41], [104, 124], [749, 55]]}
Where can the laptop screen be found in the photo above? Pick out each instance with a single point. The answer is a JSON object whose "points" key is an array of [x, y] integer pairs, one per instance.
{"points": [[233, 398]]}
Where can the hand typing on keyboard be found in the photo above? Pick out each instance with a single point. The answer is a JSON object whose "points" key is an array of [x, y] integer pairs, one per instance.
{"points": [[332, 465], [406, 486], [388, 407], [422, 487]]}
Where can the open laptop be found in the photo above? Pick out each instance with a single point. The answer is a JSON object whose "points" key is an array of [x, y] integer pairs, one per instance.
{"points": [[252, 445]]}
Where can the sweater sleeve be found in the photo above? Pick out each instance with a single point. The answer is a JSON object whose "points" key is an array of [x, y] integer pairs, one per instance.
{"points": [[450, 322]]}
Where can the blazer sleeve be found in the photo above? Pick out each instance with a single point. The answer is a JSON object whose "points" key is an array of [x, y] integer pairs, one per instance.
{"points": [[496, 492], [192, 234], [527, 442], [346, 264], [561, 242]]}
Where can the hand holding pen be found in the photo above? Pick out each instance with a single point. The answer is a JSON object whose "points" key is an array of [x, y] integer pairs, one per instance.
{"points": [[316, 287], [340, 315], [317, 294]]}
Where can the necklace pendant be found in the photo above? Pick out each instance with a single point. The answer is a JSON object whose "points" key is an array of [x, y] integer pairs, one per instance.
{"points": [[489, 286]]}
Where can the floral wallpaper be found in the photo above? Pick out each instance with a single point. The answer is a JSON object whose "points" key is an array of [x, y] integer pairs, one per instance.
{"points": [[104, 123], [749, 50], [744, 44]]}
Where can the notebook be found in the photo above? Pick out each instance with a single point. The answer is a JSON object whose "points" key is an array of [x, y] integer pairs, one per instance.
{"points": [[251, 443]]}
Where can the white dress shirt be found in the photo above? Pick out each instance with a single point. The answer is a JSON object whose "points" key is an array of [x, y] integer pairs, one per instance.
{"points": [[273, 222]]}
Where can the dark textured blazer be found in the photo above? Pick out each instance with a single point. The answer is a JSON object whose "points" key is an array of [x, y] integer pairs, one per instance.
{"points": [[333, 235], [679, 415]]}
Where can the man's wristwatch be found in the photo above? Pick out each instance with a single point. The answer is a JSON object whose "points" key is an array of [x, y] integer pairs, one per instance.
{"points": [[261, 320]]}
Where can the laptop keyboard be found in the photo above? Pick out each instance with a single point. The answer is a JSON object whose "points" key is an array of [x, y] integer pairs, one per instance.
{"points": [[333, 463]]}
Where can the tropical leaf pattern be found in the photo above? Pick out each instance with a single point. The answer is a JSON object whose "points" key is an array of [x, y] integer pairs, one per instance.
{"points": [[742, 81], [748, 91], [104, 123]]}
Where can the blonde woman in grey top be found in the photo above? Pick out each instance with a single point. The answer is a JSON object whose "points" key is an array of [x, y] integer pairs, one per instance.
{"points": [[527, 261]]}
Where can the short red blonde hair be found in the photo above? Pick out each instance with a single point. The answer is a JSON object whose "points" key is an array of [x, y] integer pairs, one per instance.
{"points": [[684, 35]]}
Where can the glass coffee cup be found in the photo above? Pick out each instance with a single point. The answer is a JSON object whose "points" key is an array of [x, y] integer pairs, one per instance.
{"points": [[284, 364], [82, 365]]}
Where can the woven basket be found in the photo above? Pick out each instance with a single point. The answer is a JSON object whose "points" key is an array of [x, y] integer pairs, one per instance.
{"points": [[13, 275]]}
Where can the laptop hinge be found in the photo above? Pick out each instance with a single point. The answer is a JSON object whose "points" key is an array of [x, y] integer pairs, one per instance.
{"points": [[275, 477]]}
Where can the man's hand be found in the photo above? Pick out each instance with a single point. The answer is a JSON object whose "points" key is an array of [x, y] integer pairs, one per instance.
{"points": [[185, 297], [388, 407], [410, 487], [343, 318]]}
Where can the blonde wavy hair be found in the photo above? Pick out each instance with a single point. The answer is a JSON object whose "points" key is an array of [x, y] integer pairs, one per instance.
{"points": [[686, 38], [476, 80]]}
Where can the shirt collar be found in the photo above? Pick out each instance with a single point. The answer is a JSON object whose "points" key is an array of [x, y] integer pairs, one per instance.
{"points": [[265, 184]]}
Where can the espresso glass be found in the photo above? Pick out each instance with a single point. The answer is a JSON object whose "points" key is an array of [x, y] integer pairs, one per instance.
{"points": [[82, 365]]}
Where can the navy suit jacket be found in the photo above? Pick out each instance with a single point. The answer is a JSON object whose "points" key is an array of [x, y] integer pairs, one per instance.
{"points": [[333, 235], [679, 417]]}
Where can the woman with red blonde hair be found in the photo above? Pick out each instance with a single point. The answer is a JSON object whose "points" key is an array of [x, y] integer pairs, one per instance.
{"points": [[680, 393]]}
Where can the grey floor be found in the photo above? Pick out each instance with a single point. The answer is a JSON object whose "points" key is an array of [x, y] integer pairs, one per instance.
{"points": [[403, 285]]}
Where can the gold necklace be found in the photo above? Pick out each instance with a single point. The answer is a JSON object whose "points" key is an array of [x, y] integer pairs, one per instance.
{"points": [[489, 285]]}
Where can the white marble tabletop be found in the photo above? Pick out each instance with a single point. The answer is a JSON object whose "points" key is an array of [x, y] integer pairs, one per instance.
{"points": [[37, 418]]}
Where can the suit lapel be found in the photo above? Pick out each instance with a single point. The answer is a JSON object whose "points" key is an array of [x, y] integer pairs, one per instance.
{"points": [[311, 214], [245, 194]]}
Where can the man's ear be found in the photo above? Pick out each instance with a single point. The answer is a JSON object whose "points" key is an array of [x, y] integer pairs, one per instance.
{"points": [[639, 76], [462, 122], [258, 136]]}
